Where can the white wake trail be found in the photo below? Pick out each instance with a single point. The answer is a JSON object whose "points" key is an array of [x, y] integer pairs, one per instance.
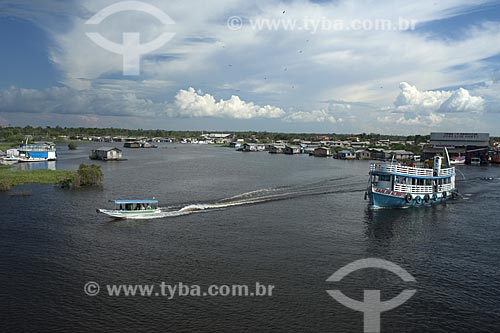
{"points": [[259, 196]]}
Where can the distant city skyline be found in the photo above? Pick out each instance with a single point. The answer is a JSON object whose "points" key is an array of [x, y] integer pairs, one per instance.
{"points": [[280, 66]]}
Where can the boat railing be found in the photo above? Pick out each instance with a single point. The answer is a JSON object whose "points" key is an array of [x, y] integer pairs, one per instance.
{"points": [[417, 189], [445, 187], [401, 169], [407, 170], [36, 148], [447, 172]]}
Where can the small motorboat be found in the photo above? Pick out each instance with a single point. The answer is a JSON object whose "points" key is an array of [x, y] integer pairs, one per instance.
{"points": [[133, 209], [9, 160], [457, 160]]}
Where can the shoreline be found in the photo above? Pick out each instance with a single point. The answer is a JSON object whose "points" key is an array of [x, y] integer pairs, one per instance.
{"points": [[10, 178]]}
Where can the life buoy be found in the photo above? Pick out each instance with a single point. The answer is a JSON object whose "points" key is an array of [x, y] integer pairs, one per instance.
{"points": [[434, 197], [418, 200], [445, 195], [427, 198], [408, 198]]}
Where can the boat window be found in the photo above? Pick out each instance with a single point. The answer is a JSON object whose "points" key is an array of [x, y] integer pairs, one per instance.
{"points": [[384, 178]]}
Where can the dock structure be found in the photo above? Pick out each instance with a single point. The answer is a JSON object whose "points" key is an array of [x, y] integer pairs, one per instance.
{"points": [[470, 145]]}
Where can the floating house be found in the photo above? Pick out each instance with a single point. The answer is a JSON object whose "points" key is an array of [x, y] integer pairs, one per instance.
{"points": [[249, 147], [134, 144], [139, 144], [363, 154], [346, 155], [106, 154], [277, 149], [292, 150], [322, 152], [399, 155]]}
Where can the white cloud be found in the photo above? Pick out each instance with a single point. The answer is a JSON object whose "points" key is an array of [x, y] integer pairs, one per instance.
{"points": [[490, 91], [461, 101], [411, 100], [187, 104], [190, 103], [315, 116], [413, 107]]}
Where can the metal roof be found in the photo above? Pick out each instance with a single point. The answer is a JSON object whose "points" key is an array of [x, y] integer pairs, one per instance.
{"points": [[107, 149], [134, 201], [460, 139]]}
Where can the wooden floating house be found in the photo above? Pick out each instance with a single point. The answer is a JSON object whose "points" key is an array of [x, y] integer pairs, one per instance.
{"points": [[345, 155], [106, 154], [137, 144], [277, 149], [322, 152], [292, 150]]}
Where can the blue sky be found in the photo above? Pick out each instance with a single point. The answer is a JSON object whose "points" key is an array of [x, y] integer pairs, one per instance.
{"points": [[295, 66]]}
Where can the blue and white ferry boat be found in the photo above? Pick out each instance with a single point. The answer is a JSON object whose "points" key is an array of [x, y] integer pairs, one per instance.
{"points": [[396, 185]]}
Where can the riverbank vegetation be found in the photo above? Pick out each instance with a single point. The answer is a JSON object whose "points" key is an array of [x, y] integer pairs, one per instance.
{"points": [[9, 177], [90, 175], [7, 145], [17, 134], [86, 175]]}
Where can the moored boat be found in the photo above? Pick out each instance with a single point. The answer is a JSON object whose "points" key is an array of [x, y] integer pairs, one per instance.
{"points": [[35, 152], [133, 209], [8, 160], [397, 185], [475, 161], [457, 160]]}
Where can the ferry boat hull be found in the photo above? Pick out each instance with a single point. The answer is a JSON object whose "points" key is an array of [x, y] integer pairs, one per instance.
{"points": [[35, 159], [400, 200], [133, 215]]}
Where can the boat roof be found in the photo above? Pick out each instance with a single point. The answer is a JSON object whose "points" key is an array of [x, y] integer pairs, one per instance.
{"points": [[134, 201], [107, 149]]}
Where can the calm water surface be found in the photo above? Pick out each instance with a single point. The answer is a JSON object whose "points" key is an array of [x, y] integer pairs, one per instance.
{"points": [[298, 220]]}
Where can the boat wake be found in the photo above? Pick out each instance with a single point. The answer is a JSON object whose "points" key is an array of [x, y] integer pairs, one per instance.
{"points": [[263, 196]]}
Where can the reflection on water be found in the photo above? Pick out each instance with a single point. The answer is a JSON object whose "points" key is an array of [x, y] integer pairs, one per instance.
{"points": [[49, 165]]}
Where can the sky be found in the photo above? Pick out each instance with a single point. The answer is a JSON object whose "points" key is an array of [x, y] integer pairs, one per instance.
{"points": [[393, 67]]}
